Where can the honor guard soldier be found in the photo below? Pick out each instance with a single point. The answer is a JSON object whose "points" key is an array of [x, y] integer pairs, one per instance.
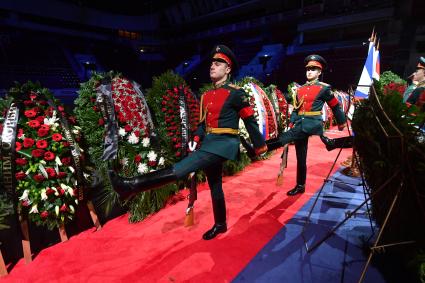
{"points": [[221, 109], [418, 94], [306, 118]]}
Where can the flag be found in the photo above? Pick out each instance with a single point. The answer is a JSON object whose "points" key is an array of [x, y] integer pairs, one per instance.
{"points": [[371, 70], [365, 81], [376, 64]]}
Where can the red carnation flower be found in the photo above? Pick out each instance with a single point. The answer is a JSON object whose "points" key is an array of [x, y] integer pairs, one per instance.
{"points": [[20, 133], [45, 127], [101, 122], [121, 118], [178, 153], [44, 215], [30, 113], [25, 203], [66, 160], [127, 128], [151, 163], [39, 178], [18, 146], [41, 144], [51, 172], [50, 191], [33, 95], [61, 175], [60, 108], [42, 132], [137, 158], [49, 156], [65, 144], [57, 137], [28, 142], [63, 208], [21, 161], [20, 175], [37, 153], [40, 119], [60, 191]]}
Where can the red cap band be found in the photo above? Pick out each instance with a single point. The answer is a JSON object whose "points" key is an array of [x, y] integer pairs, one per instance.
{"points": [[223, 56], [314, 64]]}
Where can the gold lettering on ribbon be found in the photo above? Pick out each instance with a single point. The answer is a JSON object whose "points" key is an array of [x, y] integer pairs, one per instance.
{"points": [[8, 147]]}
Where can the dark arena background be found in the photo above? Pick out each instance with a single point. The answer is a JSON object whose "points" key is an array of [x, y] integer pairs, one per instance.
{"points": [[62, 43]]}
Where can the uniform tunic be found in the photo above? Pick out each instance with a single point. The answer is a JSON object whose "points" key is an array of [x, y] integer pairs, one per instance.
{"points": [[307, 120], [222, 108]]}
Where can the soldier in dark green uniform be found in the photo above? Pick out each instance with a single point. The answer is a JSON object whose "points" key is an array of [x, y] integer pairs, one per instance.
{"points": [[221, 109], [419, 76], [306, 118]]}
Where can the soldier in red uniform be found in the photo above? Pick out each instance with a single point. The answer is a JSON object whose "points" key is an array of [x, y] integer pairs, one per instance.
{"points": [[306, 118], [221, 109], [418, 94]]}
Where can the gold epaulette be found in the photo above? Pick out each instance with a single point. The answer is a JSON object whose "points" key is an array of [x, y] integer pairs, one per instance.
{"points": [[324, 84], [234, 86]]}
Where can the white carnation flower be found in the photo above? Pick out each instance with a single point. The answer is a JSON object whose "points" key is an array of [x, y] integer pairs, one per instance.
{"points": [[142, 168], [43, 194], [146, 142], [24, 195], [133, 139], [52, 122], [124, 161], [58, 161], [161, 161], [152, 155], [122, 132], [34, 209]]}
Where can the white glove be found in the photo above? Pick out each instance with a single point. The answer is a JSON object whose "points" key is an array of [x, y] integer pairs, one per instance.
{"points": [[192, 145]]}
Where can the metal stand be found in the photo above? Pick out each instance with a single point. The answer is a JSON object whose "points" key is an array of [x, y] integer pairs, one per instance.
{"points": [[399, 138]]}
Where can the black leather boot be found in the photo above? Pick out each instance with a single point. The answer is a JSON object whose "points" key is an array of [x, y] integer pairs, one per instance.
{"points": [[128, 187], [331, 144], [273, 144], [298, 189], [220, 226]]}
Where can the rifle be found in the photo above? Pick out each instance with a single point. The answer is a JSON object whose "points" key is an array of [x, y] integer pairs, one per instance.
{"points": [[284, 156], [193, 196], [283, 165]]}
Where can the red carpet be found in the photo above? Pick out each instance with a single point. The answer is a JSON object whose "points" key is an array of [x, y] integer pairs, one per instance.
{"points": [[161, 249]]}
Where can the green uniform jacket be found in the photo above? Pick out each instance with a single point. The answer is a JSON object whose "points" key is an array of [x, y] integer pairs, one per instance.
{"points": [[309, 99], [222, 108], [416, 93]]}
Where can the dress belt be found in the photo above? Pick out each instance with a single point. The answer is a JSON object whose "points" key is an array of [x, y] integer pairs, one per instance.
{"points": [[310, 113], [219, 131]]}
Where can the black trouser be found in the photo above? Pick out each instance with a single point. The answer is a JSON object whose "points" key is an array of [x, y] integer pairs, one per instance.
{"points": [[212, 165], [301, 145]]}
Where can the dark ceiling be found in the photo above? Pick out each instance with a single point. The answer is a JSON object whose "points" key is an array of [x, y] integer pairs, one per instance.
{"points": [[125, 7]]}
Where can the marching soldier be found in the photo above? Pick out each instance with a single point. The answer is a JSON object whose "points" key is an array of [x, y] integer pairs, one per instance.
{"points": [[221, 109], [306, 118], [419, 76]]}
